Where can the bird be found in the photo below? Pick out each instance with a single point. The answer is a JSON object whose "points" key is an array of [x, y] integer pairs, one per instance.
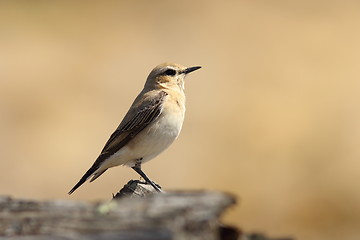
{"points": [[151, 125]]}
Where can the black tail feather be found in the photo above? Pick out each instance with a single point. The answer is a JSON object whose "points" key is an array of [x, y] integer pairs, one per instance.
{"points": [[84, 178]]}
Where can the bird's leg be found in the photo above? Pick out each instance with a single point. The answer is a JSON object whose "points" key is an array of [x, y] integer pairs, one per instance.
{"points": [[137, 169]]}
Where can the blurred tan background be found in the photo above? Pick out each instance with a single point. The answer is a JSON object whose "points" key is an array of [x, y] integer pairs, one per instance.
{"points": [[272, 117]]}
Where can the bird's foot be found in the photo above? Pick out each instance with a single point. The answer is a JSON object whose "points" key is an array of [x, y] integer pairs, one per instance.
{"points": [[156, 186]]}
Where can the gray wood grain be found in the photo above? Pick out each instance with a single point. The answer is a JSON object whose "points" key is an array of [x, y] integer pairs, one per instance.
{"points": [[143, 215]]}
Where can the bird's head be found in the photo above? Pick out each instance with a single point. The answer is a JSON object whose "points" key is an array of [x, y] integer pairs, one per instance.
{"points": [[169, 76]]}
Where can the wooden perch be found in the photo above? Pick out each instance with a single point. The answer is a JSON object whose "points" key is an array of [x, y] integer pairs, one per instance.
{"points": [[136, 213]]}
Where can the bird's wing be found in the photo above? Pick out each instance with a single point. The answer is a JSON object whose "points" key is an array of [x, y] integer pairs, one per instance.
{"points": [[133, 123], [129, 128]]}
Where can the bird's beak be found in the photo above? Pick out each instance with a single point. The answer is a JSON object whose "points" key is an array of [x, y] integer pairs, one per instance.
{"points": [[191, 69]]}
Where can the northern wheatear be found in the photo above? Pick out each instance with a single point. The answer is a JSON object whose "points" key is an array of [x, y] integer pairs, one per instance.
{"points": [[152, 123]]}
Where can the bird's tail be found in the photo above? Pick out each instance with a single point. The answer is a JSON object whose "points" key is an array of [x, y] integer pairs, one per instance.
{"points": [[87, 175]]}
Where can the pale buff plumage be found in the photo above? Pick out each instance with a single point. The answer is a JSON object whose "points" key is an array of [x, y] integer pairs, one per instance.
{"points": [[152, 123]]}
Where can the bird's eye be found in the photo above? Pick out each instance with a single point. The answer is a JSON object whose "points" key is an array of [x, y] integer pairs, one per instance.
{"points": [[170, 72]]}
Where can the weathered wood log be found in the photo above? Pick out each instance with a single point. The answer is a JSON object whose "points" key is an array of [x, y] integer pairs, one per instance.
{"points": [[172, 215], [137, 212]]}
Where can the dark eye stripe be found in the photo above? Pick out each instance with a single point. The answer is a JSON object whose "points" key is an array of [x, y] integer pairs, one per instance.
{"points": [[170, 72]]}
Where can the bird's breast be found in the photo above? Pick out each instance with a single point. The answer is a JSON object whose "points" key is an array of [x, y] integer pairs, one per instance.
{"points": [[159, 135], [166, 128], [172, 115]]}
